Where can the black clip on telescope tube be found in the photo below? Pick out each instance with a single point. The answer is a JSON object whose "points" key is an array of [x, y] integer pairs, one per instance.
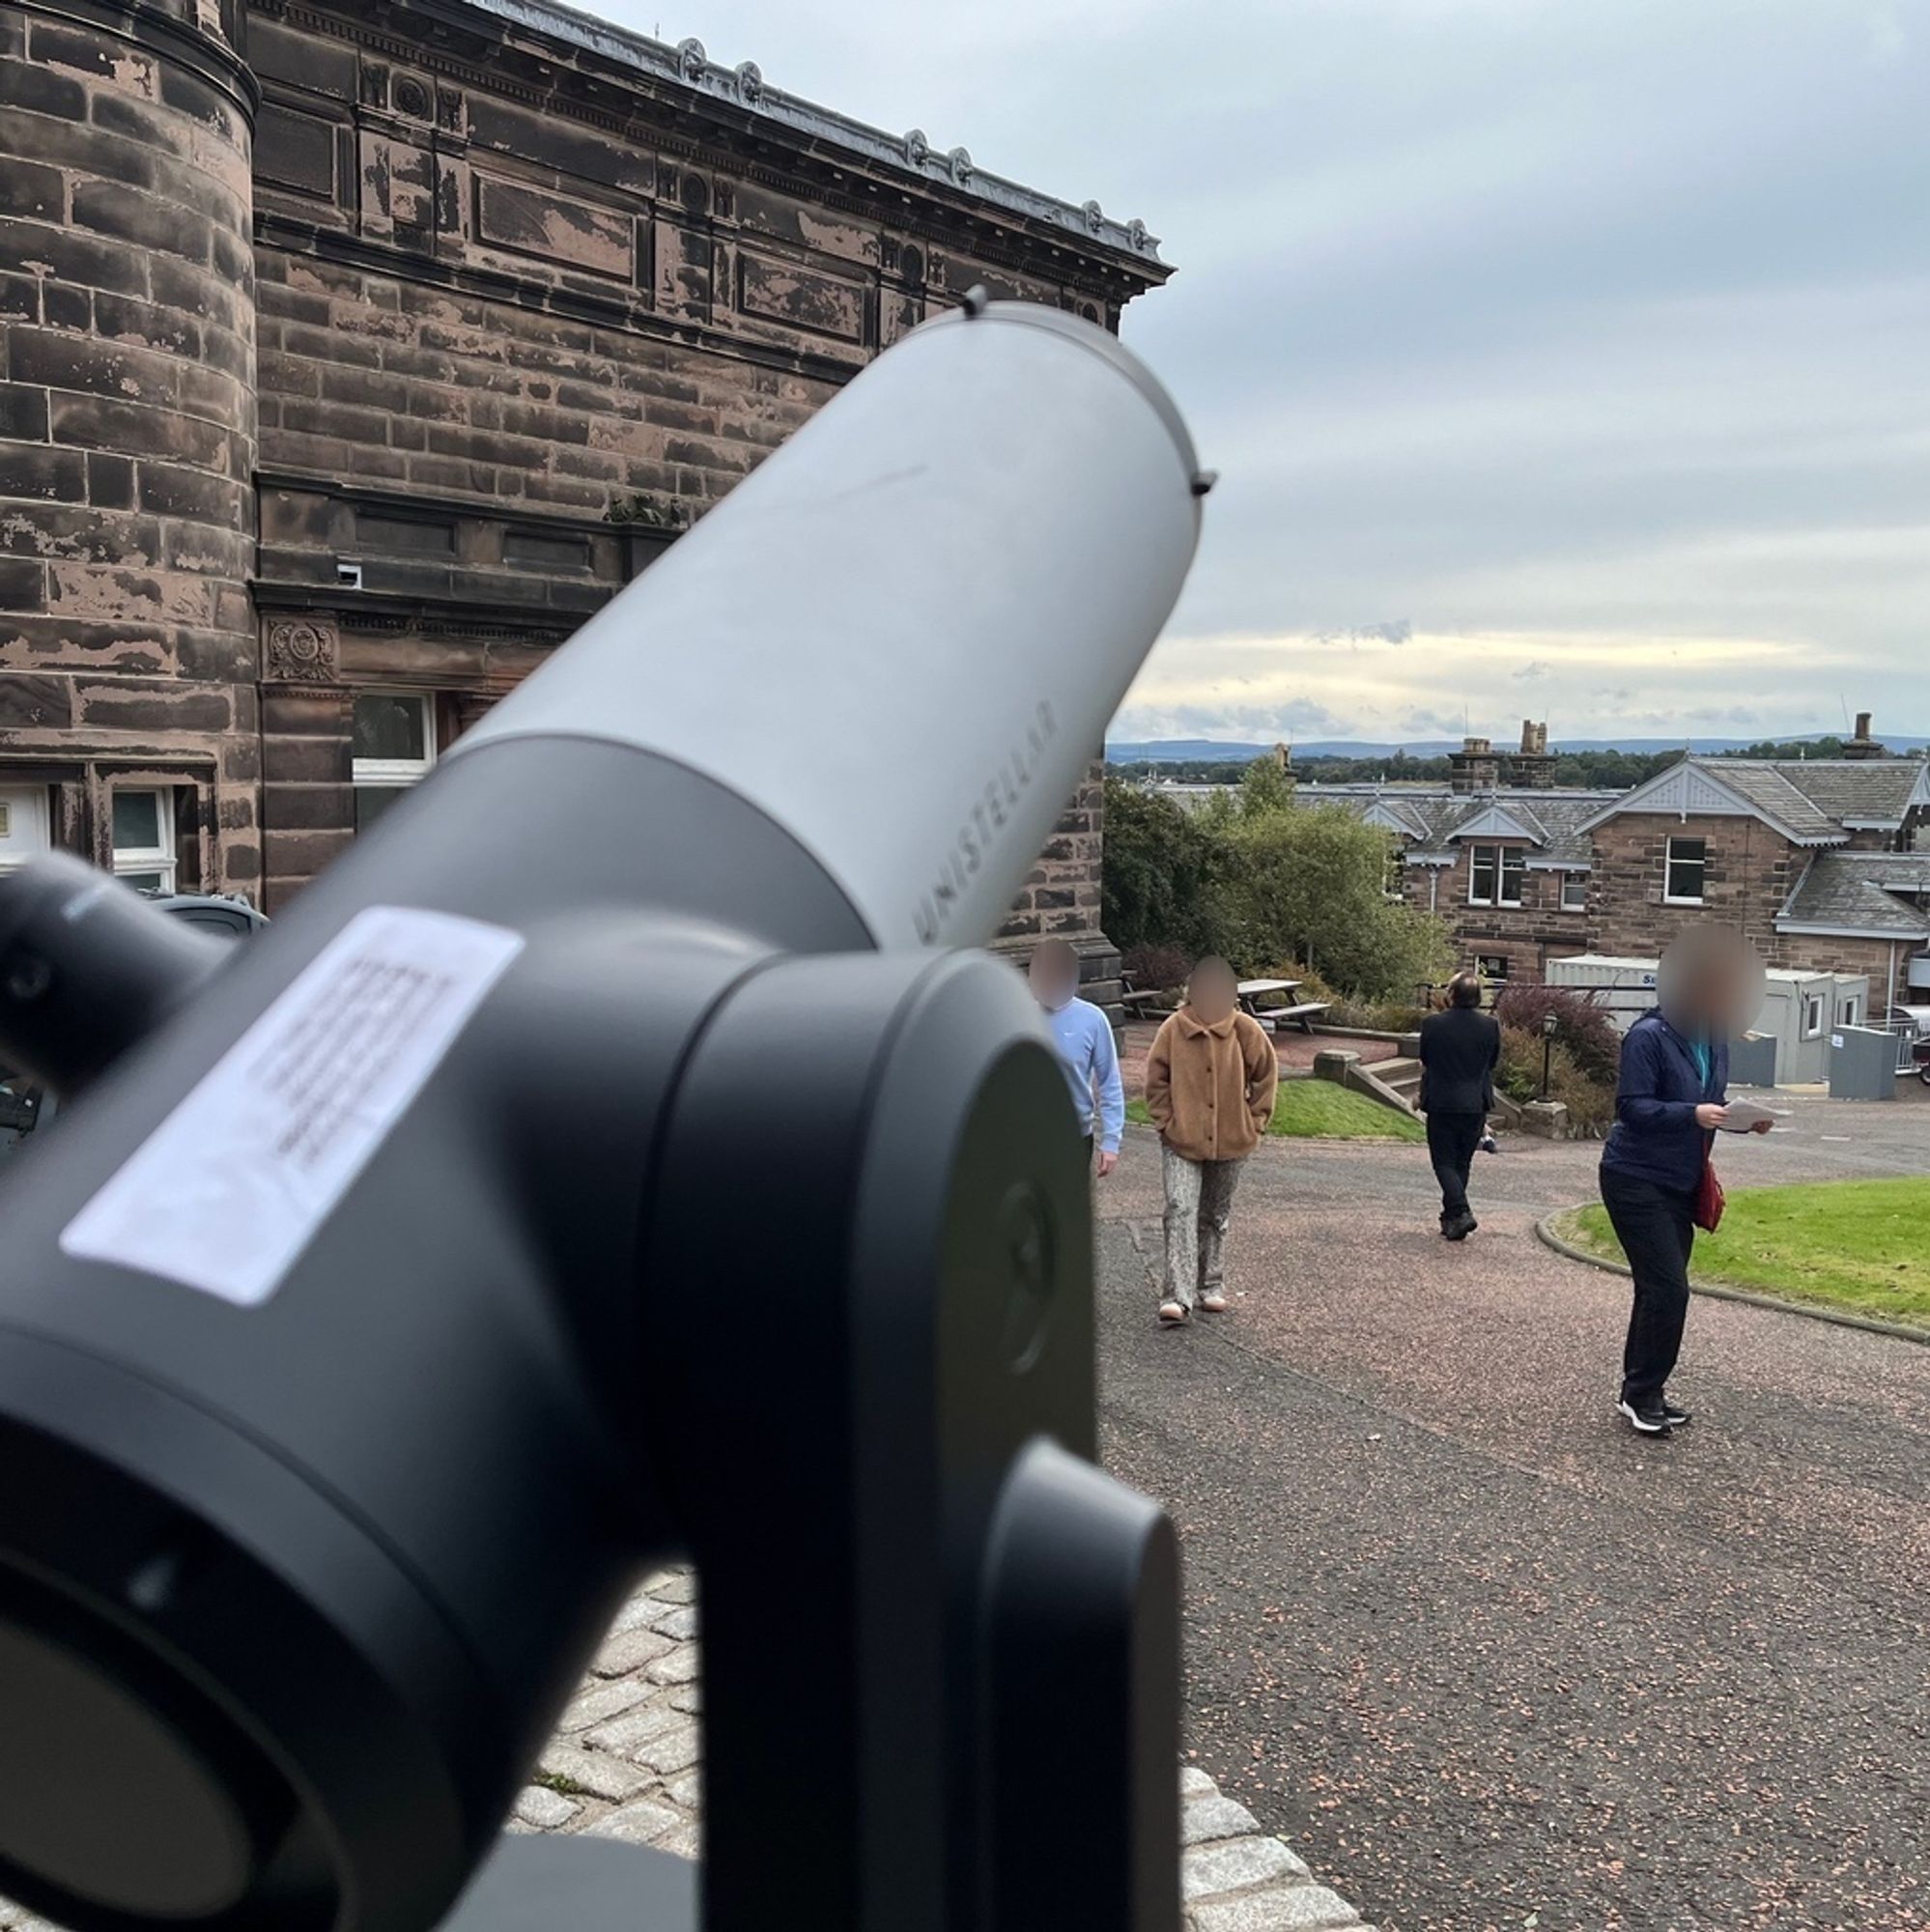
{"points": [[610, 1159]]}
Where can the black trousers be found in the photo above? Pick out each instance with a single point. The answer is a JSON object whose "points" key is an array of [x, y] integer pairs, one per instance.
{"points": [[1452, 1139], [1656, 1229]]}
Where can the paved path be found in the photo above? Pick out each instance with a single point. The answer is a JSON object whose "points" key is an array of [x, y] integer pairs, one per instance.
{"points": [[1485, 1658], [625, 1766]]}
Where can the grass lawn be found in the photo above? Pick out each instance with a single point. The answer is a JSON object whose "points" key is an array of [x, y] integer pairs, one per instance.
{"points": [[1325, 1110], [1862, 1246]]}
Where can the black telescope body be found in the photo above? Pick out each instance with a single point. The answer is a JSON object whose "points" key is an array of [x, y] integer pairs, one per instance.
{"points": [[627, 1174]]}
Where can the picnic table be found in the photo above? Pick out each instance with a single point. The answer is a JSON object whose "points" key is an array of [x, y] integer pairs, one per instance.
{"points": [[1272, 1003]]}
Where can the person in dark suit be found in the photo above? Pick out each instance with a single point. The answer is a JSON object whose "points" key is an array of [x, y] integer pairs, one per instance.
{"points": [[1460, 1048]]}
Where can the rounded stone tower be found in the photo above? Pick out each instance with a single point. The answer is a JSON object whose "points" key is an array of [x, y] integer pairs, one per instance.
{"points": [[127, 430]]}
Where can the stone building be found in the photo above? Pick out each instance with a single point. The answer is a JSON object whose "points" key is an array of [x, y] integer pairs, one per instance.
{"points": [[1509, 872], [354, 352], [1823, 863]]}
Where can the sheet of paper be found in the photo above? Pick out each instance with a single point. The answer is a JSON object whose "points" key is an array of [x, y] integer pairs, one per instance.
{"points": [[228, 1190], [1744, 1114]]}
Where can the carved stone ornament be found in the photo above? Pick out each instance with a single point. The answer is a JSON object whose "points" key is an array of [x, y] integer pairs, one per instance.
{"points": [[1095, 216], [958, 163], [691, 60], [918, 150], [1137, 234], [750, 83], [300, 652]]}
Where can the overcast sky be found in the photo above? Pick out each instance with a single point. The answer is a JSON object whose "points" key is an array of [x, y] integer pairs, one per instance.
{"points": [[1560, 358]]}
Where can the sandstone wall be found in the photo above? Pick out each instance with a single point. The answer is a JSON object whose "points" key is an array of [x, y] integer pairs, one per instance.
{"points": [[127, 423], [1750, 873]]}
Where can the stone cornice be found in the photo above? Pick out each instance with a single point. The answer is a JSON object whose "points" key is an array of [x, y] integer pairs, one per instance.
{"points": [[700, 110]]}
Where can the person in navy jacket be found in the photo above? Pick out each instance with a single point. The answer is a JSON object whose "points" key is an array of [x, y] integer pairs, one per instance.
{"points": [[1671, 1100]]}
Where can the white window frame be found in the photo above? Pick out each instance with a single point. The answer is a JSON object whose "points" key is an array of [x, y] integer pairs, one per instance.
{"points": [[162, 860], [1484, 963], [1499, 856], [394, 771], [1575, 883], [26, 833], [1814, 1011], [1474, 857], [1668, 872], [1846, 1010]]}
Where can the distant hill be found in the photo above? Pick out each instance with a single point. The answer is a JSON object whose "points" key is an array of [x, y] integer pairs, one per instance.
{"points": [[1203, 751]]}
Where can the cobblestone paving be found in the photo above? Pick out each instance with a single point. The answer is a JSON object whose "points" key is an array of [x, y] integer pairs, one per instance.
{"points": [[625, 1765]]}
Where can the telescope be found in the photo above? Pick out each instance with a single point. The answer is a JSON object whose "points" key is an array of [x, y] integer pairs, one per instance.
{"points": [[620, 1156]]}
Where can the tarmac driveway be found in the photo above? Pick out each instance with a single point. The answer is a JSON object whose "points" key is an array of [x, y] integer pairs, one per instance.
{"points": [[1485, 1658]]}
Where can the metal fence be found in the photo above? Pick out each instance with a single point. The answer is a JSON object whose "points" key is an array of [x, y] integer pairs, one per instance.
{"points": [[1905, 1032]]}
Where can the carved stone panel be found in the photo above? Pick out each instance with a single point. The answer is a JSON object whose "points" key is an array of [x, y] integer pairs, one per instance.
{"points": [[301, 651]]}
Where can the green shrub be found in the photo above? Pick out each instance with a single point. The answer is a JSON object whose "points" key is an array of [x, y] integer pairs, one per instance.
{"points": [[1589, 1101]]}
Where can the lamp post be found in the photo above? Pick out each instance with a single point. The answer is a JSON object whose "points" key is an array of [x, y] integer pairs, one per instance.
{"points": [[1550, 1026]]}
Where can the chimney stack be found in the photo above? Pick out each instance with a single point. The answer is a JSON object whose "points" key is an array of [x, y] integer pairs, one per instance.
{"points": [[1474, 767], [1863, 745], [1532, 767]]}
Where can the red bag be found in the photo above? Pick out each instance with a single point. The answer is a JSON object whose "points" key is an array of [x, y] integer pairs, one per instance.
{"points": [[1708, 1200]]}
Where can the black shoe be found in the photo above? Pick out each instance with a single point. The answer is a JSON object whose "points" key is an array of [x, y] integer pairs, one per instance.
{"points": [[1458, 1229], [1649, 1418], [1676, 1417]]}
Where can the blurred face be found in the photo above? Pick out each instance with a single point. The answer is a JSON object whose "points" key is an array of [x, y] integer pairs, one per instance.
{"points": [[1711, 982], [1053, 981], [1211, 993]]}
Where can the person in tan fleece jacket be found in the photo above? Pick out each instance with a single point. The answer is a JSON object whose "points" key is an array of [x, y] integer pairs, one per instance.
{"points": [[1209, 1083]]}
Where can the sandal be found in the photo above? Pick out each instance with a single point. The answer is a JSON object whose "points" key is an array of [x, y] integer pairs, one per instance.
{"points": [[1172, 1314]]}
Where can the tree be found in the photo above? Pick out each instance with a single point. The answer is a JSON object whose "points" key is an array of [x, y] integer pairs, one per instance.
{"points": [[1309, 885], [1161, 883]]}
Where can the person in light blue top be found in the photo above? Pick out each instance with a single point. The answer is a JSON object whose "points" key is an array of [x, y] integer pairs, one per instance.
{"points": [[1084, 1038]]}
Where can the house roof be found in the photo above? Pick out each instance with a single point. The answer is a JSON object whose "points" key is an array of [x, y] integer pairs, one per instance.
{"points": [[1809, 801], [1878, 893], [1552, 822], [1860, 791], [1769, 787], [744, 88]]}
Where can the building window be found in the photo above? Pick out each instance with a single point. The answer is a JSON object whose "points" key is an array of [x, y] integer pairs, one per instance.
{"points": [[23, 825], [1491, 965], [394, 737], [1496, 874], [394, 742], [1575, 892], [1846, 1012], [1688, 867], [1812, 1016], [144, 849]]}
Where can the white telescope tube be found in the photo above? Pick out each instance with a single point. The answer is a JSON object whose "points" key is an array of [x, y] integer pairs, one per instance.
{"points": [[933, 599]]}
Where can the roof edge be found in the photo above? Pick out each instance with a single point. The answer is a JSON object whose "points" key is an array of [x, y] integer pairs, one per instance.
{"points": [[1630, 801], [1898, 935], [911, 154]]}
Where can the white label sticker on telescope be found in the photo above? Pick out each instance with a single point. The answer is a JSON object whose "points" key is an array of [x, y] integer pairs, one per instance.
{"points": [[228, 1190]]}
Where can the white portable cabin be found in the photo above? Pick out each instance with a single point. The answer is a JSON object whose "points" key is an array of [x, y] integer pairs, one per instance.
{"points": [[1801, 1007]]}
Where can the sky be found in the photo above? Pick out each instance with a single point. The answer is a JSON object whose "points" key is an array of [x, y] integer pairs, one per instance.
{"points": [[1563, 359]]}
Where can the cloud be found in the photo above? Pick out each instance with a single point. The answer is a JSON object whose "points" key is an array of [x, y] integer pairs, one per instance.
{"points": [[1586, 328], [1394, 633]]}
